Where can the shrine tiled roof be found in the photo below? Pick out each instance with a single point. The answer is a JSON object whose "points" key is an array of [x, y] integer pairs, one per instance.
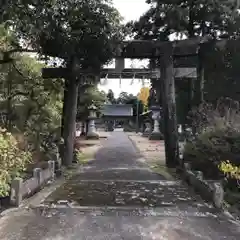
{"points": [[117, 110]]}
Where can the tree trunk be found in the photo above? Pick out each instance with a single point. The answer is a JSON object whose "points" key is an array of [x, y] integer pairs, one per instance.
{"points": [[191, 31], [9, 99], [65, 97], [70, 113], [169, 107]]}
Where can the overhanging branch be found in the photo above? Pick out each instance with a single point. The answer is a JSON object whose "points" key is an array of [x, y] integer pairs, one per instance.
{"points": [[7, 55], [21, 50], [19, 93], [20, 73], [5, 61]]}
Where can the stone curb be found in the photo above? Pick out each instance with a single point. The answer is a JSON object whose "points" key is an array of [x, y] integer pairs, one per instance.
{"points": [[135, 146], [209, 190], [23, 189]]}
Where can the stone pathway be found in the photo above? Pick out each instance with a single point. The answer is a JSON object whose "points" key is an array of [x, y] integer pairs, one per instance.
{"points": [[118, 197]]}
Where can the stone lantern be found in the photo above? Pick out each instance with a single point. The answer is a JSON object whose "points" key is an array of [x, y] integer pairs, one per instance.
{"points": [[92, 133], [156, 116]]}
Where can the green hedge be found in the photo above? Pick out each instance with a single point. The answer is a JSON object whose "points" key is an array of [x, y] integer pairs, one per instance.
{"points": [[210, 148]]}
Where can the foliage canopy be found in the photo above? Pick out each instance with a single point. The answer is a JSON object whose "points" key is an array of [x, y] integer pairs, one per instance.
{"points": [[88, 29]]}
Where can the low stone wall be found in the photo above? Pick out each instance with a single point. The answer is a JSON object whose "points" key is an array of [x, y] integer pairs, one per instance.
{"points": [[22, 189], [209, 190]]}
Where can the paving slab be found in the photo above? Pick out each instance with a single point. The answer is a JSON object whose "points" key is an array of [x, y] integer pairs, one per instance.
{"points": [[117, 196], [124, 193], [74, 224]]}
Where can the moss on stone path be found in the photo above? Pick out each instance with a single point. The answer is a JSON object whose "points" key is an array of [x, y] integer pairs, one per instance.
{"points": [[121, 193], [169, 174]]}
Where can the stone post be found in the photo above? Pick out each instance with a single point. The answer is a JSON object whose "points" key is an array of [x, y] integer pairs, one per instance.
{"points": [[83, 129], [51, 167], [16, 192], [58, 165], [147, 130], [37, 173], [218, 194], [78, 129]]}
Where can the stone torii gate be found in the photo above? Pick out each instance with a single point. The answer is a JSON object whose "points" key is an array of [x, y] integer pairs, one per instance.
{"points": [[165, 52]]}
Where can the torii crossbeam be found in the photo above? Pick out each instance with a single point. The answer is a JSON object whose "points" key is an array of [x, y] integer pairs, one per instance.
{"points": [[147, 48], [127, 73]]}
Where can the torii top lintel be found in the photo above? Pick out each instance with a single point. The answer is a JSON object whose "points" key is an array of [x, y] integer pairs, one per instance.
{"points": [[153, 49], [150, 49]]}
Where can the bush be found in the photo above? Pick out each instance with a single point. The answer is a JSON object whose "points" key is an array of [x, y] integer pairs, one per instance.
{"points": [[13, 161], [230, 170], [232, 175], [217, 138], [210, 148], [81, 157]]}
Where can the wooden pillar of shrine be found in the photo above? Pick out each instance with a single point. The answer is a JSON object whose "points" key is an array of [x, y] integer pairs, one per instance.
{"points": [[199, 83], [169, 106], [65, 97], [70, 112]]}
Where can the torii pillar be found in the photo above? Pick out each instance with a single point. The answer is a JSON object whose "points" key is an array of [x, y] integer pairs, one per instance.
{"points": [[70, 113], [167, 85]]}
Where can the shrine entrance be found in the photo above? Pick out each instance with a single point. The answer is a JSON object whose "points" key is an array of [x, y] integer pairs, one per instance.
{"points": [[169, 61], [116, 115]]}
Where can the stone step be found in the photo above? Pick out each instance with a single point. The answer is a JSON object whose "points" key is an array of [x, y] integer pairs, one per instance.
{"points": [[118, 174], [124, 211], [125, 193]]}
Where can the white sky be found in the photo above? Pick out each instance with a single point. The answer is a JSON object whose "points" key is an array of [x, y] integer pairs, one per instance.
{"points": [[130, 10]]}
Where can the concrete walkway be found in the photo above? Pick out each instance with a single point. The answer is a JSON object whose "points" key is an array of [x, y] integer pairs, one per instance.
{"points": [[118, 197]]}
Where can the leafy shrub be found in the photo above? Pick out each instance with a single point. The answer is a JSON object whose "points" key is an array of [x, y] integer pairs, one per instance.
{"points": [[232, 175], [208, 149], [81, 157], [13, 161], [230, 170], [217, 137]]}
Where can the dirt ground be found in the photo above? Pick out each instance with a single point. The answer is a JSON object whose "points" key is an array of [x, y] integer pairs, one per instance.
{"points": [[91, 146], [152, 151]]}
